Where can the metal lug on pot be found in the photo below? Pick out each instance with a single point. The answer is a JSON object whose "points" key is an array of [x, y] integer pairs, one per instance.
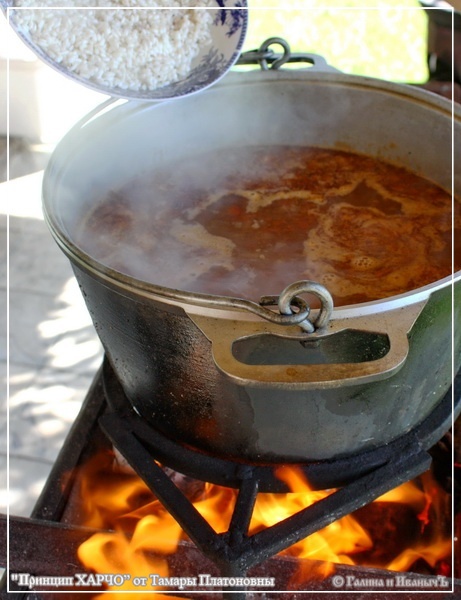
{"points": [[270, 60], [289, 297]]}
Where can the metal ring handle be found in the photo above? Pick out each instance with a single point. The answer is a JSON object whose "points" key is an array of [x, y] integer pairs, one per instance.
{"points": [[289, 298], [276, 64], [267, 59], [308, 287]]}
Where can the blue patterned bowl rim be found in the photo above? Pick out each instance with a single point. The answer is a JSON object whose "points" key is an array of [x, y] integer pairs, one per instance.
{"points": [[229, 28]]}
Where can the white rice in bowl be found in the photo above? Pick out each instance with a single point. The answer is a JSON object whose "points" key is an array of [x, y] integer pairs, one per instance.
{"points": [[136, 45]]}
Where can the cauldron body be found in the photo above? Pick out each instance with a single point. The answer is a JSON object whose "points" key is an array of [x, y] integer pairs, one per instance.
{"points": [[216, 377]]}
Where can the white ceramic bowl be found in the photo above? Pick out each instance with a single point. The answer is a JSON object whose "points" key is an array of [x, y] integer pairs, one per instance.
{"points": [[228, 30]]}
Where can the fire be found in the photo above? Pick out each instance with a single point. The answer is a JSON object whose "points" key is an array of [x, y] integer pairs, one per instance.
{"points": [[216, 506], [139, 534], [115, 553], [333, 544], [429, 500], [121, 502]]}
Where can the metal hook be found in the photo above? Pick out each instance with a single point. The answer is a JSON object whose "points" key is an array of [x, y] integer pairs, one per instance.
{"points": [[276, 64], [289, 298]]}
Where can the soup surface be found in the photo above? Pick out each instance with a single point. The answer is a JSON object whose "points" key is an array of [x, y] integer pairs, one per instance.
{"points": [[247, 222]]}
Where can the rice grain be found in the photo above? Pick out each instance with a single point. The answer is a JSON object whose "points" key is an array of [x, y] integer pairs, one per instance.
{"points": [[140, 48]]}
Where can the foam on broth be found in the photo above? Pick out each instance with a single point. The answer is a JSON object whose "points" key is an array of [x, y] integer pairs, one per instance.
{"points": [[247, 222]]}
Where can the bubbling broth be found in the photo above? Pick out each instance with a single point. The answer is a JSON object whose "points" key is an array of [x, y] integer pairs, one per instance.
{"points": [[247, 222]]}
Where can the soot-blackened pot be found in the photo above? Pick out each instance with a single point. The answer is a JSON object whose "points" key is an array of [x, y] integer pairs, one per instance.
{"points": [[213, 372]]}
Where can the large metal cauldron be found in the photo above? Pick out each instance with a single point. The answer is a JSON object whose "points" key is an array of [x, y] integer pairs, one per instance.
{"points": [[209, 371]]}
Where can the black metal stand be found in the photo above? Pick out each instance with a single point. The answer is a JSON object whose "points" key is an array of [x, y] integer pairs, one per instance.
{"points": [[235, 551]]}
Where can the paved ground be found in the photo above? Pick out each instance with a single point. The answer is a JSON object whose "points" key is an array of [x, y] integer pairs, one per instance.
{"points": [[52, 347]]}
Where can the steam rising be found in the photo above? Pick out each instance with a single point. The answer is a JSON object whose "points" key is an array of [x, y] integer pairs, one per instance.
{"points": [[261, 218], [212, 185]]}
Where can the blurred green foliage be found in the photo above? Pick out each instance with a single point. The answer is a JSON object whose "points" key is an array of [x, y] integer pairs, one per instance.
{"points": [[387, 40]]}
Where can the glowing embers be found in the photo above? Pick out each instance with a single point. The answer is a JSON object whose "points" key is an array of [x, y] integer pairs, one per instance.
{"points": [[407, 529]]}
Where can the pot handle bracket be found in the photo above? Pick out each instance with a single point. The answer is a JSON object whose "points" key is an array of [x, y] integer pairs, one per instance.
{"points": [[268, 59], [226, 334]]}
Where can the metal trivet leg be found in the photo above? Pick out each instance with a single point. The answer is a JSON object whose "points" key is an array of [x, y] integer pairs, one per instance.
{"points": [[236, 551]]}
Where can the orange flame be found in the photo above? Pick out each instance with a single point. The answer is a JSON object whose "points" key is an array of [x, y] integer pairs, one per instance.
{"points": [[144, 534]]}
